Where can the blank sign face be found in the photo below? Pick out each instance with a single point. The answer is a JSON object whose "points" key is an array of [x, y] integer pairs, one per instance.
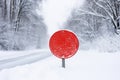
{"points": [[63, 44]]}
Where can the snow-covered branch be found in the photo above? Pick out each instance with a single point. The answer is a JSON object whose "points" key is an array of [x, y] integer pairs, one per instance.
{"points": [[83, 12], [103, 9]]}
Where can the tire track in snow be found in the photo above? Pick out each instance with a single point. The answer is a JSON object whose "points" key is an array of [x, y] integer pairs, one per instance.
{"points": [[22, 60]]}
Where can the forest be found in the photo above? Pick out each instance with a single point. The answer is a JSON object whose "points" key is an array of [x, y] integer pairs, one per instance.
{"points": [[21, 27], [96, 23]]}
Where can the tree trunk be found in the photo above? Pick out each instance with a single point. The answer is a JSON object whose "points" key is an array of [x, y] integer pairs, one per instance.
{"points": [[12, 10], [5, 10]]}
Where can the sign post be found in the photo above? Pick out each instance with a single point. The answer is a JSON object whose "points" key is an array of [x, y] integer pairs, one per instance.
{"points": [[63, 62], [63, 44]]}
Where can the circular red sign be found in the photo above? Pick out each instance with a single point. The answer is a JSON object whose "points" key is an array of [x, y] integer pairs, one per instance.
{"points": [[63, 44]]}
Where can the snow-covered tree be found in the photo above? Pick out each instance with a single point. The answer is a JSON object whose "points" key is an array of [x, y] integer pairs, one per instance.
{"points": [[95, 20], [109, 10], [23, 27]]}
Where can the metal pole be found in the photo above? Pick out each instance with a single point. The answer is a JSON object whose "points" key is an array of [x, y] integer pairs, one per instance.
{"points": [[63, 62]]}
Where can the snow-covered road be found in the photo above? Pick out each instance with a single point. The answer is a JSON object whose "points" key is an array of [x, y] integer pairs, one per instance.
{"points": [[12, 59], [85, 65]]}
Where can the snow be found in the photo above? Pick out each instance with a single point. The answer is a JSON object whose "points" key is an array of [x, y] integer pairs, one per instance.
{"points": [[14, 54], [10, 59], [85, 65], [41, 65]]}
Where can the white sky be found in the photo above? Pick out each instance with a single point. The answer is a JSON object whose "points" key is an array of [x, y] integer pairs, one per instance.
{"points": [[55, 12]]}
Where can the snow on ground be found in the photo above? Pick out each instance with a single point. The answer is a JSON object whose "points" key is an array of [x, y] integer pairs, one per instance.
{"points": [[85, 65], [14, 54], [10, 59]]}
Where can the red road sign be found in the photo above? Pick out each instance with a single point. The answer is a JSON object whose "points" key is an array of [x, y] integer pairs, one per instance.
{"points": [[63, 44]]}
